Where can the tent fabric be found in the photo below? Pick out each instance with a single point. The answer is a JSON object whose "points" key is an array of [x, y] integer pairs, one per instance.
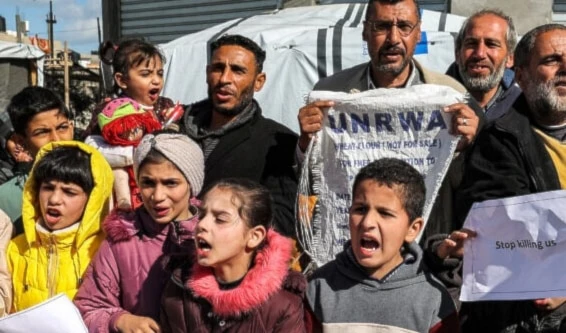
{"points": [[303, 44], [24, 51], [14, 73]]}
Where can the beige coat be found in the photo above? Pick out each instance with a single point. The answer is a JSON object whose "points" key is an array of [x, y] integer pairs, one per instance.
{"points": [[5, 277]]}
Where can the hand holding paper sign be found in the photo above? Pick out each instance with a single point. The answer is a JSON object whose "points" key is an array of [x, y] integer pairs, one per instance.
{"points": [[453, 245], [518, 252]]}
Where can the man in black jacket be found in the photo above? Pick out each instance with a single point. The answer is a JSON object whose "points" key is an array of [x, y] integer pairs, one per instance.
{"points": [[520, 153], [236, 139]]}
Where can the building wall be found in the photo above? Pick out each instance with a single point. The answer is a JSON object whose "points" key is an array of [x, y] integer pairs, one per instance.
{"points": [[526, 14], [161, 21]]}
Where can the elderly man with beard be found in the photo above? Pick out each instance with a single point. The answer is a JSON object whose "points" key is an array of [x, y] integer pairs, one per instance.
{"points": [[484, 56], [236, 139], [520, 153]]}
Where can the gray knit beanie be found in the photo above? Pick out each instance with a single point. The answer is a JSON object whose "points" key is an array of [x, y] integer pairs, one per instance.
{"points": [[180, 150]]}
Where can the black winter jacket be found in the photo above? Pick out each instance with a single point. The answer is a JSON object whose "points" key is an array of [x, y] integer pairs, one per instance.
{"points": [[261, 150], [508, 159]]}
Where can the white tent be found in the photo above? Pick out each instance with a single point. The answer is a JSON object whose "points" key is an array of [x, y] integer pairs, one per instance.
{"points": [[302, 44]]}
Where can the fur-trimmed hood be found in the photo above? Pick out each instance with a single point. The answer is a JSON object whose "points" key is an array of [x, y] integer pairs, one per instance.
{"points": [[268, 275], [121, 226]]}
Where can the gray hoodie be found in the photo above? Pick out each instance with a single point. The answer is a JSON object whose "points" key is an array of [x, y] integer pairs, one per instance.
{"points": [[344, 298]]}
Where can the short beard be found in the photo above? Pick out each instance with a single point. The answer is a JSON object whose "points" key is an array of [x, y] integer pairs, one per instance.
{"points": [[246, 99], [547, 107], [392, 69], [479, 83]]}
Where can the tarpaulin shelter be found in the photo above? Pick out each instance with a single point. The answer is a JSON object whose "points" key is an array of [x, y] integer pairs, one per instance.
{"points": [[21, 65], [303, 44]]}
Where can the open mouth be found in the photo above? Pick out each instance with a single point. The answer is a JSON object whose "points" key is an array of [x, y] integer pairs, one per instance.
{"points": [[369, 244], [203, 245], [154, 94], [160, 211], [52, 216]]}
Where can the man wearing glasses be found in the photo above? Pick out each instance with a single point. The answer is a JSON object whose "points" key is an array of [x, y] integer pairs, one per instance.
{"points": [[392, 29]]}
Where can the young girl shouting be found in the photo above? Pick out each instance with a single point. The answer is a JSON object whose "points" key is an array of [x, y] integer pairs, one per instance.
{"points": [[241, 281], [64, 202], [123, 286]]}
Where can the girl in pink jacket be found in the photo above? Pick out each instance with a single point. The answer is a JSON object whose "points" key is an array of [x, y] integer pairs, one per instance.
{"points": [[122, 288]]}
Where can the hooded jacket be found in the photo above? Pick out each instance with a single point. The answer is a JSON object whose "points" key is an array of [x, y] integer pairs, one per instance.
{"points": [[132, 267], [345, 299], [268, 299], [45, 263]]}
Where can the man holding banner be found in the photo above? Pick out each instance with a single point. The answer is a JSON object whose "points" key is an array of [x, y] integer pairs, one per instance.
{"points": [[520, 153], [392, 31]]}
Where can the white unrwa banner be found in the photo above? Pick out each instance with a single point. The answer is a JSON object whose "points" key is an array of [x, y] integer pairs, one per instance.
{"points": [[519, 249], [408, 124]]}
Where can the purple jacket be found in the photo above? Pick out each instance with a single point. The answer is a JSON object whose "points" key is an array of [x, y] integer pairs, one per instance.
{"points": [[131, 268]]}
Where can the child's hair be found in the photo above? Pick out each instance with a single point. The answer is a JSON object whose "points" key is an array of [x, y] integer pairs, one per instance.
{"points": [[244, 42], [129, 54], [254, 200], [391, 172], [31, 101], [65, 164]]}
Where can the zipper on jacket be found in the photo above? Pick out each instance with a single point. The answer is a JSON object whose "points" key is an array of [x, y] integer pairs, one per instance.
{"points": [[177, 229], [51, 267]]}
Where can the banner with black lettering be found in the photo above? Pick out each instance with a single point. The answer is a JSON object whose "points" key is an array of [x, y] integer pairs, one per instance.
{"points": [[408, 124]]}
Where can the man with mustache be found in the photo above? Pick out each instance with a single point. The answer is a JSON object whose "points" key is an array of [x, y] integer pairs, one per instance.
{"points": [[484, 54], [520, 153], [236, 139], [392, 30]]}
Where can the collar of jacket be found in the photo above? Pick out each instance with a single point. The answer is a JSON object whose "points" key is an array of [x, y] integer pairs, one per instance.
{"points": [[121, 226], [265, 278], [198, 116], [63, 238]]}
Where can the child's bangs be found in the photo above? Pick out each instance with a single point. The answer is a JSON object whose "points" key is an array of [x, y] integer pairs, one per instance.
{"points": [[67, 165]]}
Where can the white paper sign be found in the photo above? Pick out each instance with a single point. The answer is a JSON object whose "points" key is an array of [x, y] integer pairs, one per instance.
{"points": [[56, 315], [403, 123], [519, 250]]}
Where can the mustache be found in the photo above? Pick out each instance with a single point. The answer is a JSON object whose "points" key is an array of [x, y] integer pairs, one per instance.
{"points": [[480, 63], [560, 78], [391, 49]]}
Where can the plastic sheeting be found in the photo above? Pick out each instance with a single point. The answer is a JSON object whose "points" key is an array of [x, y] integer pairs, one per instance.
{"points": [[303, 44]]}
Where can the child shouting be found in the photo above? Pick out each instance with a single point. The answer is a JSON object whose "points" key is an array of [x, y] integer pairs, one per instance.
{"points": [[379, 281], [240, 281], [65, 200], [123, 286]]}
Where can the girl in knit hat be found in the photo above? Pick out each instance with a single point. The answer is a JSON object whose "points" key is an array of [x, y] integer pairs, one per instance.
{"points": [[122, 288], [138, 110]]}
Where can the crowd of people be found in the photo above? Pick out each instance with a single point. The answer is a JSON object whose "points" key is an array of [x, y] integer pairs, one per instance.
{"points": [[170, 218]]}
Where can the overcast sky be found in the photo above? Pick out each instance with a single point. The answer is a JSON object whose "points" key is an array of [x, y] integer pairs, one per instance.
{"points": [[76, 20]]}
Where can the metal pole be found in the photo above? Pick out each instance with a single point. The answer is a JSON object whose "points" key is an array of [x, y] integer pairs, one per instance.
{"points": [[66, 74], [99, 32], [50, 21]]}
